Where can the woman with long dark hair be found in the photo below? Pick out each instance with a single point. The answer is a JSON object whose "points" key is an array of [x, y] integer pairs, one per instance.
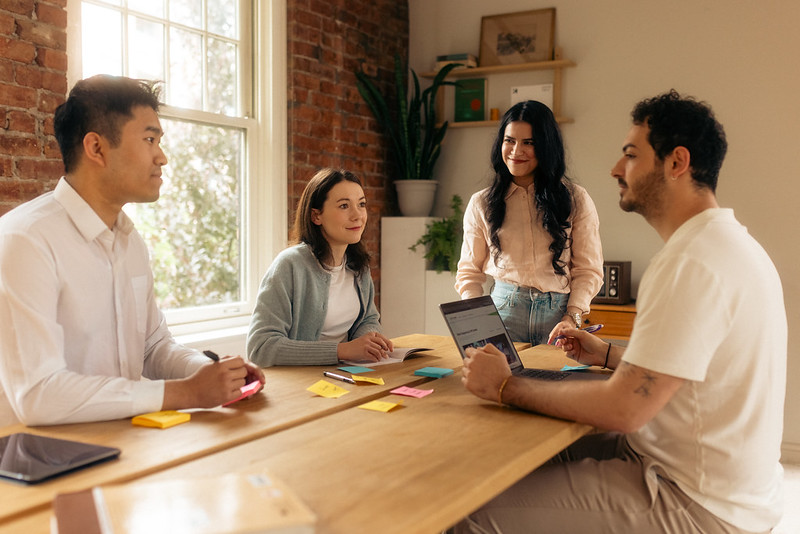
{"points": [[533, 230], [316, 303]]}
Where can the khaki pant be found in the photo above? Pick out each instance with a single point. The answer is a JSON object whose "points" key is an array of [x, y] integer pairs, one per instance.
{"points": [[599, 484]]}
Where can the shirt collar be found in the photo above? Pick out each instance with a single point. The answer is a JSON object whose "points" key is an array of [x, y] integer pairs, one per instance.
{"points": [[89, 224], [513, 188]]}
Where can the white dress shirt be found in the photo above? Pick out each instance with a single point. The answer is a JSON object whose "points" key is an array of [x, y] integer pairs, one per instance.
{"points": [[79, 325]]}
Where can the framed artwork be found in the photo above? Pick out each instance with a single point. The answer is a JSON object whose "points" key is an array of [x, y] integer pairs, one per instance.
{"points": [[521, 37]]}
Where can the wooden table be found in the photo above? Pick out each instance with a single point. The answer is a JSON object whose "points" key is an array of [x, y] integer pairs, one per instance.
{"points": [[283, 404], [419, 468]]}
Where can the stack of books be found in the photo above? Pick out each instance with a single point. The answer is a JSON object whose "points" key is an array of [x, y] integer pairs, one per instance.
{"points": [[468, 60]]}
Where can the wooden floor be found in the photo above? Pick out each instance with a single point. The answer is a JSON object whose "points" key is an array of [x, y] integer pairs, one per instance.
{"points": [[790, 524]]}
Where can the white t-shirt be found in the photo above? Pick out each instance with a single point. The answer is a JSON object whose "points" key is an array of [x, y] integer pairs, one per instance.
{"points": [[710, 310], [343, 305]]}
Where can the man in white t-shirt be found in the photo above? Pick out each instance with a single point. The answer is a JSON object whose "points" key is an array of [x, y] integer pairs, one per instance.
{"points": [[79, 324], [694, 409]]}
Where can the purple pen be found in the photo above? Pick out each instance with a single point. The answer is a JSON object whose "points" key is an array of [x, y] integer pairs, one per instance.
{"points": [[591, 328]]}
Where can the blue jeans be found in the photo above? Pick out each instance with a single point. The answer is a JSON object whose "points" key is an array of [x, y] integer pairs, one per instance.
{"points": [[529, 315]]}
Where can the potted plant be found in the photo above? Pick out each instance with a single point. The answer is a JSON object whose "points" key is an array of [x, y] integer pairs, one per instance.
{"points": [[442, 239], [415, 138]]}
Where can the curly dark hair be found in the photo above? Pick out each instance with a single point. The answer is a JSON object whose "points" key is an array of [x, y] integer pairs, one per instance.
{"points": [[552, 188], [100, 104], [683, 121], [305, 231]]}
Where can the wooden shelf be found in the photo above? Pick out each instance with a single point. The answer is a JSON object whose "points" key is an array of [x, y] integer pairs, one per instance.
{"points": [[556, 65], [463, 72]]}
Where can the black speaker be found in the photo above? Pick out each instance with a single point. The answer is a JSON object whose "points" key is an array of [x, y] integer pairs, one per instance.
{"points": [[616, 283]]}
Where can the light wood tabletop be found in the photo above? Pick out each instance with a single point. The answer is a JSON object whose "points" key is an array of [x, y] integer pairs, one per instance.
{"points": [[284, 403], [419, 468]]}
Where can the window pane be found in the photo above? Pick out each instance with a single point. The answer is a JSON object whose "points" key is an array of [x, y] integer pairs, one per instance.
{"points": [[192, 229], [223, 18], [149, 7], [222, 64], [188, 12], [185, 84], [145, 49], [103, 43]]}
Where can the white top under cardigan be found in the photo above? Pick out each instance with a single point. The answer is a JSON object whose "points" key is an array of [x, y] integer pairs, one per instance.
{"points": [[290, 311]]}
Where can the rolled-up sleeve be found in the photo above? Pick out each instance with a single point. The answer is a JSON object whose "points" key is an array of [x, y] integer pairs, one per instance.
{"points": [[586, 263], [471, 273]]}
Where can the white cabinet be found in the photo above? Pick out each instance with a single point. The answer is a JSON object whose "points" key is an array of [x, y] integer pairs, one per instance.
{"points": [[410, 294]]}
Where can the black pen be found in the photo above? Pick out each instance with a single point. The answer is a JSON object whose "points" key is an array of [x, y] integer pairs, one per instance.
{"points": [[338, 377], [211, 354]]}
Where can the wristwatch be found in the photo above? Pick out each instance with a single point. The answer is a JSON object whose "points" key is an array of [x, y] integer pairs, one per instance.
{"points": [[577, 318]]}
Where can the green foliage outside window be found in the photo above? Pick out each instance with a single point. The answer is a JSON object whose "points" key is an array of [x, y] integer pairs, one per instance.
{"points": [[192, 230]]}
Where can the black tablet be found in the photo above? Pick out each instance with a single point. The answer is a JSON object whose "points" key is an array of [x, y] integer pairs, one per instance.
{"points": [[30, 458]]}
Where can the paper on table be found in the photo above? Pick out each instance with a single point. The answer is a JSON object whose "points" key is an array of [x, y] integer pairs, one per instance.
{"points": [[398, 355]]}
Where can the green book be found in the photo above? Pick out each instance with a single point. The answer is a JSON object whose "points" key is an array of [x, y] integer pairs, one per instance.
{"points": [[470, 100]]}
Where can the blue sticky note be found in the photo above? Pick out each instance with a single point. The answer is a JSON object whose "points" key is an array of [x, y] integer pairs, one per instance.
{"points": [[356, 369], [433, 372], [575, 368]]}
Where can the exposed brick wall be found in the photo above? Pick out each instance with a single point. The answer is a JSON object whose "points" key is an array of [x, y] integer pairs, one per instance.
{"points": [[33, 82], [329, 125]]}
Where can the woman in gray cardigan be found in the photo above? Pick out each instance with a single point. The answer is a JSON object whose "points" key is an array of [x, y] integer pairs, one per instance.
{"points": [[316, 302]]}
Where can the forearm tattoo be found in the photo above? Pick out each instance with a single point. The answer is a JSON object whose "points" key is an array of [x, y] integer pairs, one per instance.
{"points": [[647, 379]]}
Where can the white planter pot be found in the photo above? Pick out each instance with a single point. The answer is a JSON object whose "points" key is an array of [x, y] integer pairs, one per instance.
{"points": [[415, 197]]}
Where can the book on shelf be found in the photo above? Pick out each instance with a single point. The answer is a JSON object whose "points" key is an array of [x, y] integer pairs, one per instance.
{"points": [[542, 92], [470, 100], [468, 60], [235, 503]]}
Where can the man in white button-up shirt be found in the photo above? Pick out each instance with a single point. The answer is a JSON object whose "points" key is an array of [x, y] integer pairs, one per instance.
{"points": [[79, 325]]}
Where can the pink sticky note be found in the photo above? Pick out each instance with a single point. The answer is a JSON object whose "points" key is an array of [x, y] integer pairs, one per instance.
{"points": [[247, 390], [411, 392]]}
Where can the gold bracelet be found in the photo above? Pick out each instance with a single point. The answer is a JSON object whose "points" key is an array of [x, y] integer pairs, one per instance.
{"points": [[500, 391]]}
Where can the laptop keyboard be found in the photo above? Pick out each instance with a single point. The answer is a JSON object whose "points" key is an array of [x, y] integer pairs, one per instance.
{"points": [[544, 374]]}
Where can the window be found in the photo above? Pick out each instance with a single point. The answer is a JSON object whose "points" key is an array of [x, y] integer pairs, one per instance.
{"points": [[221, 215]]}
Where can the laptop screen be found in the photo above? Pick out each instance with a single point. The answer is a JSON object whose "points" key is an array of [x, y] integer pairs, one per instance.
{"points": [[476, 322]]}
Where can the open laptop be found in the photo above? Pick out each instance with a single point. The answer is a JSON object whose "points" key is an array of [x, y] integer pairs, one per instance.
{"points": [[476, 322]]}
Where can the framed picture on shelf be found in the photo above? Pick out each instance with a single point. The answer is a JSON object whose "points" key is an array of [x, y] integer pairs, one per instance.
{"points": [[522, 37]]}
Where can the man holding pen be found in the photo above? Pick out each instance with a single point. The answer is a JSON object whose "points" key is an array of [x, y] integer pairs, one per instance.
{"points": [[79, 325], [694, 409]]}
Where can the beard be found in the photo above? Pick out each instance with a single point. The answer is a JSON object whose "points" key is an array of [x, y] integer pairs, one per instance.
{"points": [[646, 197]]}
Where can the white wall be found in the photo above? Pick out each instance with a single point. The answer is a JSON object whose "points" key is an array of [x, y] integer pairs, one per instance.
{"points": [[738, 55]]}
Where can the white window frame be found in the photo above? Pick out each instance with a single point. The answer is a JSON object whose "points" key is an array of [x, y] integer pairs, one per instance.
{"points": [[265, 193]]}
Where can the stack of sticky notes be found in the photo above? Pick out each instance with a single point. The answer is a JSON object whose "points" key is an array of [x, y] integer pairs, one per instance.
{"points": [[163, 419], [433, 372]]}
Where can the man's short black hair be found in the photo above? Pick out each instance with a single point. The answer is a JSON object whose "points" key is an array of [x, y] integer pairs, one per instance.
{"points": [[683, 121], [100, 104]]}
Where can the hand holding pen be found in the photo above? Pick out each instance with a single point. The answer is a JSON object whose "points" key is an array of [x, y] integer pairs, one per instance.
{"points": [[589, 329]]}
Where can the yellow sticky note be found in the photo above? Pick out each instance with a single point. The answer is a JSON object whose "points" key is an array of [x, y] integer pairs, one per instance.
{"points": [[368, 380], [380, 406], [163, 419], [323, 388]]}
